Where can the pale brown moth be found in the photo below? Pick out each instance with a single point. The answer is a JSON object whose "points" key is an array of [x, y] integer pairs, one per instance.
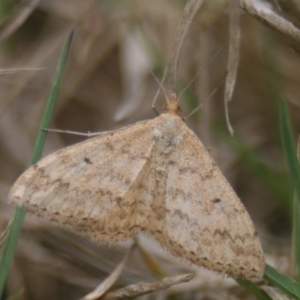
{"points": [[153, 176]]}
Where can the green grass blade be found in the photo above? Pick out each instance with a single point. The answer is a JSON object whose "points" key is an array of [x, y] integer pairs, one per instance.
{"points": [[289, 145], [283, 282], [295, 253], [293, 164], [49, 110], [253, 288], [13, 235]]}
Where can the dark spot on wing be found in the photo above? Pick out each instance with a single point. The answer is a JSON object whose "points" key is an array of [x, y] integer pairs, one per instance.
{"points": [[172, 162], [87, 160], [216, 200]]}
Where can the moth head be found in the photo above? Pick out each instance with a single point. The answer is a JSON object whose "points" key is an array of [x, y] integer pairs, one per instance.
{"points": [[172, 106]]}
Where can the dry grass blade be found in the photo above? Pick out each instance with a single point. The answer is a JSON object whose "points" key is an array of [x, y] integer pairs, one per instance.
{"points": [[17, 18], [111, 279], [4, 233], [292, 7], [264, 13], [135, 66], [233, 59], [189, 12], [275, 293], [15, 70], [143, 288]]}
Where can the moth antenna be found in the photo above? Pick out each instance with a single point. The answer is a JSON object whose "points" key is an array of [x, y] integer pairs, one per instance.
{"points": [[201, 105], [202, 69], [160, 88]]}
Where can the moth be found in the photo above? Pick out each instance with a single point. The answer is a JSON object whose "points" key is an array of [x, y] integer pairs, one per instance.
{"points": [[154, 176]]}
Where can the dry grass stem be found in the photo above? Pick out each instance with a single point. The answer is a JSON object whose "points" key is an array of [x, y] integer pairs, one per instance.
{"points": [[15, 70], [111, 279], [17, 18], [4, 233], [291, 7], [190, 10], [264, 12], [143, 288]]}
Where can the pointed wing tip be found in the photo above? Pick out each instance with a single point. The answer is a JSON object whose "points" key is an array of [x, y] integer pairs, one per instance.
{"points": [[15, 195]]}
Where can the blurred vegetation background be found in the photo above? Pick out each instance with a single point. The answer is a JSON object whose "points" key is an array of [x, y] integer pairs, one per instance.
{"points": [[107, 85]]}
